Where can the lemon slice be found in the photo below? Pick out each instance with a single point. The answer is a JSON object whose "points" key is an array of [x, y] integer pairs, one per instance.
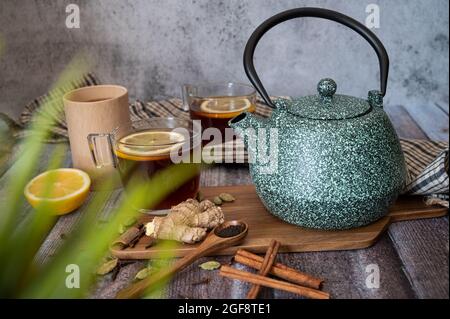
{"points": [[61, 190], [149, 144], [225, 105]]}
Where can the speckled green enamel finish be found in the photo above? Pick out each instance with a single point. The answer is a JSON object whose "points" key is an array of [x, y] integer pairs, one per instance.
{"points": [[336, 170]]}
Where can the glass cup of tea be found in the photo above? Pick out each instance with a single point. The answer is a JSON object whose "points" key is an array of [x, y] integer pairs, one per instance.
{"points": [[215, 104], [142, 152]]}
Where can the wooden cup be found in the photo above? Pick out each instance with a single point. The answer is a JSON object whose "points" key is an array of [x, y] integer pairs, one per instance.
{"points": [[95, 109]]}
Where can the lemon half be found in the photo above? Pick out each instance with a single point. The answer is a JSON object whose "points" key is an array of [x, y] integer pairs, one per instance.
{"points": [[60, 190]]}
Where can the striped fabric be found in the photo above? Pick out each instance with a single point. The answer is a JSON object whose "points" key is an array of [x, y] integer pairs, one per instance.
{"points": [[55, 106], [427, 161], [174, 107], [428, 167]]}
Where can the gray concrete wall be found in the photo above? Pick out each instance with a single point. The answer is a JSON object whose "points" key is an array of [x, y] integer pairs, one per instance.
{"points": [[152, 47]]}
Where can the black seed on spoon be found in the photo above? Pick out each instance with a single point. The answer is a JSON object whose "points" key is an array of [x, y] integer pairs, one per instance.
{"points": [[230, 231]]}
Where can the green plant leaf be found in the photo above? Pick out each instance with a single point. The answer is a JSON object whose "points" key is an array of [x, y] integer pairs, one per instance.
{"points": [[122, 229], [130, 222]]}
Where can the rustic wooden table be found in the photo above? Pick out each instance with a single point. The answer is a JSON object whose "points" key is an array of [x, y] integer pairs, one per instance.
{"points": [[412, 256]]}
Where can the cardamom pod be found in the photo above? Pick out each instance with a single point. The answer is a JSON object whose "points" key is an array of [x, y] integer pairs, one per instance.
{"points": [[210, 265], [216, 200], [200, 197], [144, 273], [141, 274], [226, 197], [107, 267]]}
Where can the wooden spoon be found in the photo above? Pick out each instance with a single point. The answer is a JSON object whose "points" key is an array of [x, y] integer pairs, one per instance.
{"points": [[212, 243]]}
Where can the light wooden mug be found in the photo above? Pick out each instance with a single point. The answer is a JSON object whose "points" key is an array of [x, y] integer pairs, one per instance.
{"points": [[96, 109]]}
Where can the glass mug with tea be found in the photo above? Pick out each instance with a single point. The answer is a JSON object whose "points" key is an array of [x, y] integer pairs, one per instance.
{"points": [[215, 104], [145, 150]]}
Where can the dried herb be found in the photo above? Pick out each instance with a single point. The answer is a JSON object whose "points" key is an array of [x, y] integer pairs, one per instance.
{"points": [[107, 267], [216, 200], [226, 197], [210, 265], [200, 197]]}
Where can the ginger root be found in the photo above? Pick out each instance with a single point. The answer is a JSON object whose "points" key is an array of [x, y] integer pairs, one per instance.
{"points": [[194, 214], [165, 228], [186, 222]]}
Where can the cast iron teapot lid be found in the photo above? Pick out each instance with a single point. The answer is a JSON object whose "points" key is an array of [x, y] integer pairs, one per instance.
{"points": [[327, 105]]}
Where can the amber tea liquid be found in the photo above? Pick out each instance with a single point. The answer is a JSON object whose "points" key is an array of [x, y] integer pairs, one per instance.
{"points": [[217, 111], [139, 164]]}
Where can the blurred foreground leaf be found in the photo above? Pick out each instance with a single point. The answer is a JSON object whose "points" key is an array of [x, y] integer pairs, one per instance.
{"points": [[86, 245]]}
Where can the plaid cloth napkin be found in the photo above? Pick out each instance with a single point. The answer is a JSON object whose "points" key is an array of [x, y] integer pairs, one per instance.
{"points": [[427, 161]]}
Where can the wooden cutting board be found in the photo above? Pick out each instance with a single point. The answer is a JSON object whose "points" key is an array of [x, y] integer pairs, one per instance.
{"points": [[263, 227]]}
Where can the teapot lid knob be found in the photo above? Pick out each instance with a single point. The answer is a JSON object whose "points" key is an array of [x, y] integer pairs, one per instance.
{"points": [[326, 88]]}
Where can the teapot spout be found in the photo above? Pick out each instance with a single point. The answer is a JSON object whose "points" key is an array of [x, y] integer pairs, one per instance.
{"points": [[244, 124]]}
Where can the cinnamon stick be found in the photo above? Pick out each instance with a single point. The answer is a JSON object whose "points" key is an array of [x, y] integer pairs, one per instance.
{"points": [[279, 270], [230, 272], [130, 236], [135, 240], [266, 265]]}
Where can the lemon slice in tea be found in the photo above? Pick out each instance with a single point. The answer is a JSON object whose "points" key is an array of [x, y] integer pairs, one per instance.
{"points": [[144, 144], [225, 105], [60, 190]]}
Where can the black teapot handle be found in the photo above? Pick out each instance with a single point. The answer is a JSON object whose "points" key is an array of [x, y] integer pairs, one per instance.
{"points": [[317, 13]]}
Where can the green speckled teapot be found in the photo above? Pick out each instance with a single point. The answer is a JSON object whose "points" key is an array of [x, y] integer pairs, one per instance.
{"points": [[339, 161]]}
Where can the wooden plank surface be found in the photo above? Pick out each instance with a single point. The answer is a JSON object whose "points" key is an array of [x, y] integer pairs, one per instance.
{"points": [[346, 273], [421, 245], [430, 118], [412, 256], [333, 266]]}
